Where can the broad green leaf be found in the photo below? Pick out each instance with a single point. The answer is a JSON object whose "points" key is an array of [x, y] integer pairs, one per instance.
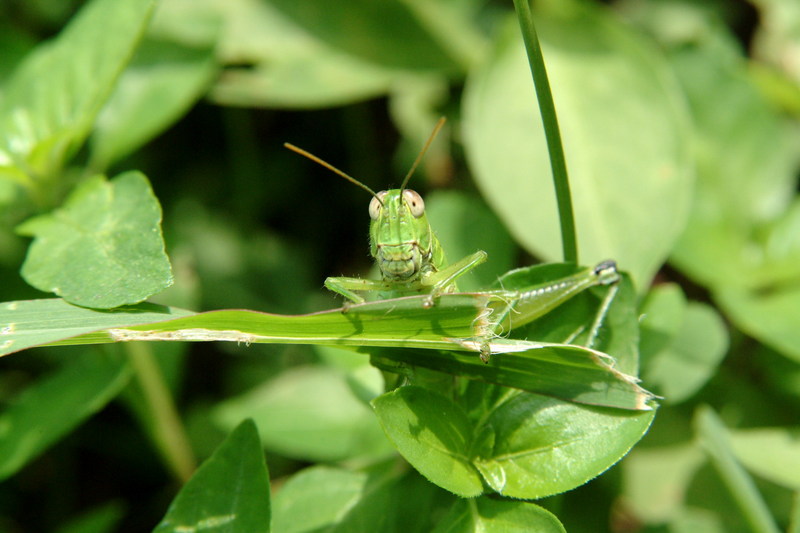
{"points": [[53, 406], [433, 434], [484, 515], [464, 225], [656, 480], [52, 99], [624, 129], [290, 67], [746, 176], [335, 500], [315, 498], [663, 312], [535, 446], [571, 372], [103, 248], [770, 310], [771, 453], [308, 413], [685, 343], [770, 315], [159, 86], [228, 493], [359, 28]]}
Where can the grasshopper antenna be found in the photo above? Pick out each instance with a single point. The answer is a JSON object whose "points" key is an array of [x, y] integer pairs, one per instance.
{"points": [[332, 168], [422, 152]]}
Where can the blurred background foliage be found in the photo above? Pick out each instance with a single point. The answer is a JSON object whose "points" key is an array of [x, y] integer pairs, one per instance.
{"points": [[680, 121]]}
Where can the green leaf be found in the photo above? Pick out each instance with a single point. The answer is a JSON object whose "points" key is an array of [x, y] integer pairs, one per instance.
{"points": [[384, 499], [464, 224], [571, 321], [656, 480], [315, 498], [103, 248], [770, 315], [746, 176], [663, 311], [53, 98], [290, 67], [433, 434], [485, 515], [540, 446], [624, 130], [571, 372], [405, 43], [54, 406], [228, 493], [25, 324], [714, 438], [100, 520], [771, 453], [308, 413], [159, 86], [685, 343]]}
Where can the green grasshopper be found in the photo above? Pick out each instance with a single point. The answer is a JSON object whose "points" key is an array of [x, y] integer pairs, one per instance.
{"points": [[412, 261], [404, 247]]}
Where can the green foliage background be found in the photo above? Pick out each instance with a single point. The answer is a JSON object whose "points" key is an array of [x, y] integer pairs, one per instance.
{"points": [[680, 125]]}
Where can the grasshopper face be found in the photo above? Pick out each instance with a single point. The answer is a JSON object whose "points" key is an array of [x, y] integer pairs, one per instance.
{"points": [[401, 240]]}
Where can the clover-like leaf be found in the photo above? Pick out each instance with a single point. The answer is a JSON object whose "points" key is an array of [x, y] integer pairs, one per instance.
{"points": [[103, 248]]}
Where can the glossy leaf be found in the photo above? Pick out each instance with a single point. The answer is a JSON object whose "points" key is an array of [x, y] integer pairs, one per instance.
{"points": [[229, 492], [624, 131], [484, 515], [56, 405], [524, 445], [433, 434], [103, 248], [533, 446]]}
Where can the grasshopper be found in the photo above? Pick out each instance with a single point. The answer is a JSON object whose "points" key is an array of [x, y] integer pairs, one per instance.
{"points": [[412, 262], [402, 243]]}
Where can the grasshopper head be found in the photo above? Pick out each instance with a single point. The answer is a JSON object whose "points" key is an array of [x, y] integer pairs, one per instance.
{"points": [[400, 236]]}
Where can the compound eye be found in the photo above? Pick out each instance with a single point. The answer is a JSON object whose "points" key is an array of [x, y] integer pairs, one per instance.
{"points": [[414, 202], [376, 204]]}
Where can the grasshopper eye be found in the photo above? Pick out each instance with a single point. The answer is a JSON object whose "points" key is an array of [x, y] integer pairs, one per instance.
{"points": [[376, 205], [414, 202]]}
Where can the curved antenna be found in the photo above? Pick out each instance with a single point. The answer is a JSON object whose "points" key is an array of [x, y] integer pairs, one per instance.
{"points": [[422, 152], [332, 168]]}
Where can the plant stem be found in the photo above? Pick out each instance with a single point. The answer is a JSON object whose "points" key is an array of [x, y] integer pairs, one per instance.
{"points": [[551, 131], [714, 439], [169, 431]]}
